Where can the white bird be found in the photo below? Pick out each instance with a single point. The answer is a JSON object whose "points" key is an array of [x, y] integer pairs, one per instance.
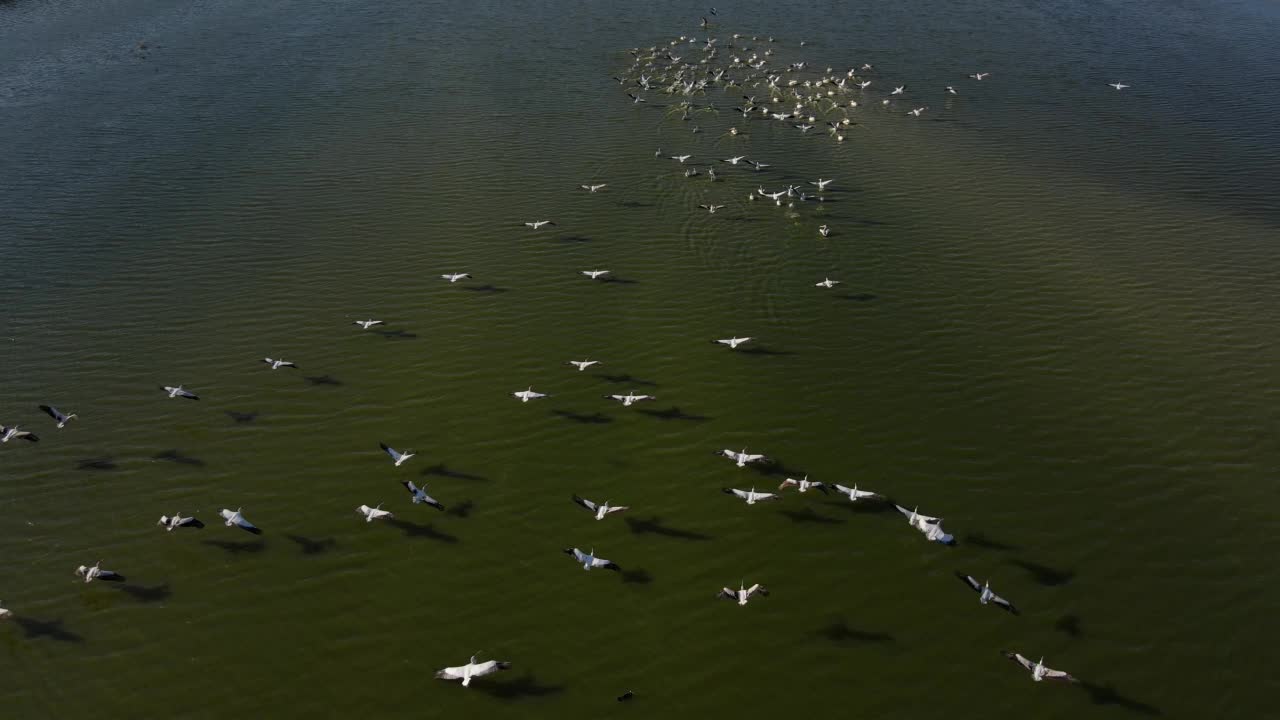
{"points": [[373, 513], [751, 496], [589, 560], [952, 90], [822, 184], [179, 392], [899, 90], [853, 493], [399, 457], [277, 364], [1118, 86], [803, 484], [171, 523], [916, 112], [13, 433], [471, 670], [711, 208], [979, 76], [743, 593], [864, 84], [824, 230], [629, 399], [420, 496], [985, 595], [527, 395], [681, 158], [593, 274], [5, 613], [758, 165], [537, 224], [827, 283], [741, 458], [1038, 671], [237, 519], [455, 277], [930, 526], [582, 364], [595, 188], [97, 573], [735, 160], [733, 342], [600, 509], [366, 324], [58, 415]]}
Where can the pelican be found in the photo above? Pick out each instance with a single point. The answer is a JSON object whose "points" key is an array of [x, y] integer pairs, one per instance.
{"points": [[636, 99], [827, 283], [13, 433], [1038, 670], [537, 224], [277, 364], [916, 112], [455, 277], [235, 518], [735, 160], [680, 158], [176, 521], [373, 513], [399, 457], [527, 395], [741, 458], [864, 84], [630, 398], [951, 90], [733, 342], [899, 90], [930, 526], [58, 415], [712, 208], [1118, 86], [979, 76], [985, 595], [589, 559], [420, 496], [600, 509], [366, 324], [803, 484], [824, 230], [472, 669], [5, 613], [751, 496], [582, 364], [776, 196], [854, 494], [593, 274], [179, 392], [742, 594], [758, 165], [594, 188], [97, 573]]}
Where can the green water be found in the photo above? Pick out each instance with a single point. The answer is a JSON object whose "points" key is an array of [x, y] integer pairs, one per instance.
{"points": [[1056, 329]]}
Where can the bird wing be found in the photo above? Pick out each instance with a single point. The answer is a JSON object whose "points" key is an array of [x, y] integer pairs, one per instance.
{"points": [[968, 579], [752, 458], [395, 455], [53, 412], [727, 594], [451, 673], [620, 398], [487, 667], [606, 564], [740, 493], [617, 508], [1058, 675], [1018, 658], [1004, 604], [585, 503], [766, 496], [752, 590], [408, 485], [579, 555]]}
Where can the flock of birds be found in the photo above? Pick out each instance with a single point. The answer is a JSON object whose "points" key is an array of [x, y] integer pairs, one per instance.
{"points": [[794, 95]]}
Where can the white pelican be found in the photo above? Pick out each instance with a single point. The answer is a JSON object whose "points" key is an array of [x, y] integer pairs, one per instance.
{"points": [[735, 160], [741, 458], [472, 669], [751, 496], [629, 399], [179, 392], [593, 274], [733, 342], [803, 484], [979, 76], [13, 433], [277, 364], [58, 415], [899, 90], [373, 513], [864, 84], [420, 495], [589, 560], [952, 90], [582, 364], [594, 188], [854, 494], [537, 224], [916, 112], [97, 573], [527, 395], [399, 457], [1038, 670], [600, 509], [235, 518], [712, 208], [743, 593], [775, 196], [1118, 86], [455, 277], [5, 613], [758, 165], [827, 283], [681, 158], [171, 523], [985, 595], [930, 526], [821, 184], [366, 324], [824, 230]]}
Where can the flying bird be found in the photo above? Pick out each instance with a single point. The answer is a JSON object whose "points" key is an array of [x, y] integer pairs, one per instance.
{"points": [[366, 324], [13, 433], [751, 496], [589, 560], [741, 458], [420, 496], [58, 415], [899, 90], [854, 494], [733, 342], [373, 513], [582, 364], [455, 277], [821, 184], [930, 526], [594, 274], [743, 593], [680, 158], [824, 230], [803, 484], [1118, 86], [277, 364], [527, 395], [399, 457], [5, 613], [471, 670], [237, 519], [97, 573], [600, 509], [712, 208], [985, 595], [594, 188], [171, 523], [1038, 671], [179, 392], [827, 283], [979, 76], [537, 224], [629, 399]]}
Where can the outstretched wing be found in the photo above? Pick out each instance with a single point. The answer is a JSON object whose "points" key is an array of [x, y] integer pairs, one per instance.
{"points": [[1018, 658], [451, 673], [968, 579], [585, 503], [1004, 604], [395, 455]]}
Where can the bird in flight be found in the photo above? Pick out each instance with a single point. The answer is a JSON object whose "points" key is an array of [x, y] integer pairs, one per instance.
{"points": [[399, 457], [373, 513], [179, 392], [595, 274], [751, 496], [985, 595], [582, 364], [980, 76], [175, 521], [58, 415], [594, 188], [13, 433], [629, 399], [527, 395], [803, 484], [277, 364], [600, 509], [588, 560], [366, 324], [538, 224], [743, 593], [712, 208], [455, 277], [827, 283], [238, 519], [471, 670], [1038, 671], [732, 342], [420, 496]]}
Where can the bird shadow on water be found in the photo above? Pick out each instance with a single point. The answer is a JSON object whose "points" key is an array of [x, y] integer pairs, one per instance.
{"points": [[443, 470], [628, 379], [673, 413], [654, 526], [101, 464], [238, 548], [574, 238], [1044, 574], [807, 515], [322, 380], [981, 540], [525, 686], [242, 418], [310, 546], [416, 530], [486, 288], [176, 456], [1069, 624], [461, 510], [762, 350], [593, 419], [639, 576], [840, 633], [52, 629], [859, 297], [1108, 695], [155, 593], [773, 468], [615, 280], [395, 334], [869, 506]]}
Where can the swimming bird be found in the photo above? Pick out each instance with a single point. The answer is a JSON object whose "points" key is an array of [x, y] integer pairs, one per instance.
{"points": [[537, 224], [58, 415], [277, 364], [743, 593], [455, 277], [13, 433], [985, 595], [1118, 86], [899, 90], [824, 230], [179, 392], [527, 395], [854, 494], [712, 208], [733, 342], [589, 560], [751, 496], [97, 573], [399, 457], [420, 496], [176, 521], [593, 274], [930, 526], [681, 158], [629, 399], [1038, 671], [827, 283], [600, 509], [373, 513], [594, 188], [237, 519], [582, 364], [979, 76], [471, 670], [821, 184], [803, 484], [366, 324]]}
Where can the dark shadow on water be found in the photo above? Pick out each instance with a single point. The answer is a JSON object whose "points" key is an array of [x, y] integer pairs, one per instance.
{"points": [[981, 540], [52, 629], [654, 526], [156, 593], [839, 632], [639, 576], [807, 515], [1069, 624], [443, 470], [774, 468], [615, 280], [319, 380], [633, 204], [395, 334], [238, 548], [176, 456], [461, 510], [761, 350], [672, 413], [593, 419], [308, 546], [628, 379], [1108, 695], [485, 288], [416, 530], [574, 238], [102, 463], [242, 418], [859, 297], [1044, 574], [869, 506], [525, 686]]}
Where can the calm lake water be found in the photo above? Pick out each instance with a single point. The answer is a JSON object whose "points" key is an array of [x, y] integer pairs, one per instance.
{"points": [[1056, 329]]}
